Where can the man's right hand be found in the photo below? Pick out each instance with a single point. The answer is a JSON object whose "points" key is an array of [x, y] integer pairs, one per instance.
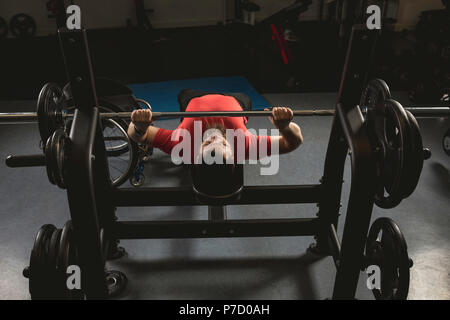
{"points": [[141, 119]]}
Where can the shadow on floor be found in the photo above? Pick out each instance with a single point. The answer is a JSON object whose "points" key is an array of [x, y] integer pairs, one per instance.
{"points": [[218, 278], [442, 178]]}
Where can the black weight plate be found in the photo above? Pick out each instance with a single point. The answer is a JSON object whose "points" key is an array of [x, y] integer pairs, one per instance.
{"points": [[63, 254], [63, 249], [54, 279], [49, 160], [68, 256], [65, 246], [414, 157], [374, 95], [3, 28], [391, 129], [54, 248], [396, 141], [446, 142], [38, 271], [132, 147], [55, 157], [49, 110], [390, 253], [61, 142], [22, 26], [373, 100]]}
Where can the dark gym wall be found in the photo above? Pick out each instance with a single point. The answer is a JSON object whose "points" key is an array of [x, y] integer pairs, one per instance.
{"points": [[26, 64], [113, 14], [168, 13]]}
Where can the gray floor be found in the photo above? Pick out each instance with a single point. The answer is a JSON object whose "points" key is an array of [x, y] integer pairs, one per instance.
{"points": [[264, 268]]}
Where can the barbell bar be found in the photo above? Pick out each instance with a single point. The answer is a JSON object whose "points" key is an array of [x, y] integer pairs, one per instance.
{"points": [[32, 116]]}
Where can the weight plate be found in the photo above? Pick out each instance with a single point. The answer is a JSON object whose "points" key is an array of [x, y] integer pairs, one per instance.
{"points": [[61, 142], [49, 160], [374, 101], [22, 26], [414, 157], [63, 260], [38, 269], [54, 248], [122, 152], [390, 128], [50, 103], [374, 95], [3, 28], [446, 142], [115, 137], [386, 247], [55, 157], [54, 279], [68, 256]]}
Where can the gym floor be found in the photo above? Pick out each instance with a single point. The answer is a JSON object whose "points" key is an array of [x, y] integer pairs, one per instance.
{"points": [[240, 268]]}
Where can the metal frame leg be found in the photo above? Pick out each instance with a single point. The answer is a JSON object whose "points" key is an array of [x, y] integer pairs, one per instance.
{"points": [[217, 213]]}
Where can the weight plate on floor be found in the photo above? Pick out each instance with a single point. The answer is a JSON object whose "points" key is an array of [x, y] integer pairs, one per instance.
{"points": [[3, 28], [22, 26], [386, 248], [54, 248], [50, 103], [446, 142], [54, 279], [38, 270], [67, 256], [414, 157]]}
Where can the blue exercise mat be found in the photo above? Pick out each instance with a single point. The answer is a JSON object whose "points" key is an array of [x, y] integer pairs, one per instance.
{"points": [[163, 95]]}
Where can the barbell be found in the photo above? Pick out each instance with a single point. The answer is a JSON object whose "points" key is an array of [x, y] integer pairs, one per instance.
{"points": [[32, 116]]}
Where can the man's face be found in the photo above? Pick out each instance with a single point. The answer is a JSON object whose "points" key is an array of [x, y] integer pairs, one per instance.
{"points": [[215, 145]]}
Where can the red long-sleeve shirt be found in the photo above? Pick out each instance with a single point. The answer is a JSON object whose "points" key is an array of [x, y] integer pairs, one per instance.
{"points": [[166, 140]]}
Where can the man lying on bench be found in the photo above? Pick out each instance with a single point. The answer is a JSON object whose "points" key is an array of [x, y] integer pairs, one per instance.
{"points": [[215, 142]]}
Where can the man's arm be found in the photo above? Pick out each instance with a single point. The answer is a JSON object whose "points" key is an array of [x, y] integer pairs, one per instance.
{"points": [[140, 129], [291, 138], [291, 135]]}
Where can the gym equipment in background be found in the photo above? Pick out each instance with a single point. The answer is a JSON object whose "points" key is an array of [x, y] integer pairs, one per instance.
{"points": [[22, 25]]}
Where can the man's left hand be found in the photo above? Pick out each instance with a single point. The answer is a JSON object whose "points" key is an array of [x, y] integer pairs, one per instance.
{"points": [[281, 117]]}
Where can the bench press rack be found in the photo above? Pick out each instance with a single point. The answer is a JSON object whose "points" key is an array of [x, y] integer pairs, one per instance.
{"points": [[93, 201]]}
